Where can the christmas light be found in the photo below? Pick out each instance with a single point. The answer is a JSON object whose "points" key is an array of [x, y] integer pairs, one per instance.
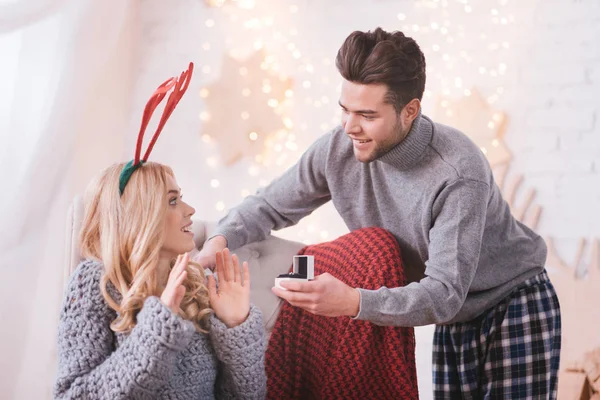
{"points": [[452, 72]]}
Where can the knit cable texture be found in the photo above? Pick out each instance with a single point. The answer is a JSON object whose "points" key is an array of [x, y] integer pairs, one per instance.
{"points": [[163, 357]]}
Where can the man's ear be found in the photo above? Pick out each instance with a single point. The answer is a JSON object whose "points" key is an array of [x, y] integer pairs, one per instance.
{"points": [[410, 111]]}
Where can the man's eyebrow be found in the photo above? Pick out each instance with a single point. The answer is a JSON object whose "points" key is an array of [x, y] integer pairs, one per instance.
{"points": [[358, 111]]}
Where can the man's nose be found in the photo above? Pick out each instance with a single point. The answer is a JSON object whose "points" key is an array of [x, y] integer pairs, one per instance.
{"points": [[352, 125]]}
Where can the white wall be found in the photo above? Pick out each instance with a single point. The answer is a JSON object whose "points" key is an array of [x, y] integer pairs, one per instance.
{"points": [[548, 89], [69, 106], [538, 61]]}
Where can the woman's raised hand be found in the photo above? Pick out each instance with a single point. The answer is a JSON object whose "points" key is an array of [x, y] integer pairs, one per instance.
{"points": [[231, 300], [174, 291]]}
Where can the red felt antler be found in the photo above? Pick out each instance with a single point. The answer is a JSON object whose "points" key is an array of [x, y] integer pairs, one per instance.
{"points": [[180, 85]]}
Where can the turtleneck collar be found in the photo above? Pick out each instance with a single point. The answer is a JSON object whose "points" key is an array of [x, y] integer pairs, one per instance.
{"points": [[409, 151]]}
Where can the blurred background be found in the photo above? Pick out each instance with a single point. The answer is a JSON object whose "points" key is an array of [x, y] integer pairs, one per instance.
{"points": [[521, 78]]}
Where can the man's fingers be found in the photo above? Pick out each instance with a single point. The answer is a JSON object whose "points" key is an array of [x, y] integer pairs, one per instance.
{"points": [[293, 297], [296, 299], [206, 261], [296, 286], [209, 263]]}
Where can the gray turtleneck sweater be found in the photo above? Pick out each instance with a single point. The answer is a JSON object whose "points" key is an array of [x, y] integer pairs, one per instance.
{"points": [[163, 357], [462, 249]]}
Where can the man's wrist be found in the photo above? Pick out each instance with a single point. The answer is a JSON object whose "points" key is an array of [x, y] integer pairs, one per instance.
{"points": [[354, 303], [219, 239]]}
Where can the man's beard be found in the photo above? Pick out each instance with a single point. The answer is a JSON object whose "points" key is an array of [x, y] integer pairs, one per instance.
{"points": [[385, 148]]}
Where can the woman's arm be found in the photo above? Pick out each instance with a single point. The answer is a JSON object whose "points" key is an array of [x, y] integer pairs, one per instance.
{"points": [[90, 367], [241, 352], [236, 332]]}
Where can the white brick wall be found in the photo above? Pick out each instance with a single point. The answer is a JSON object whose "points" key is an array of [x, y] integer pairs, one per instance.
{"points": [[550, 91]]}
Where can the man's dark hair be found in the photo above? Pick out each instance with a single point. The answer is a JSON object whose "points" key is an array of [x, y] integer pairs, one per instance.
{"points": [[383, 57]]}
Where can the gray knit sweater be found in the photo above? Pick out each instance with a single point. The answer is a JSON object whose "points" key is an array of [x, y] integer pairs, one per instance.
{"points": [[462, 249], [163, 357]]}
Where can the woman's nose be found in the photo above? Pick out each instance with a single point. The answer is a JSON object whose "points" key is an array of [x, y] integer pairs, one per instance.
{"points": [[191, 210]]}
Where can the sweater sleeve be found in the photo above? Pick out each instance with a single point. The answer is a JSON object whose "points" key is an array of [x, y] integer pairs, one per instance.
{"points": [[284, 202], [458, 220], [241, 353], [90, 367]]}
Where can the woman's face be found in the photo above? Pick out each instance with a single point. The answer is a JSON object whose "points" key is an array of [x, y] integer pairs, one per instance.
{"points": [[179, 238]]}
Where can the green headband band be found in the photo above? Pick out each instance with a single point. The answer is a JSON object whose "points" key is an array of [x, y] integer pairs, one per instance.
{"points": [[126, 173]]}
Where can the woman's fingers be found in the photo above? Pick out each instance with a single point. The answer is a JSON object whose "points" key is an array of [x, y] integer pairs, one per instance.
{"points": [[183, 262], [178, 297], [172, 273], [228, 268], [179, 267], [180, 279], [219, 268], [179, 272], [246, 271], [227, 265], [237, 273], [175, 290]]}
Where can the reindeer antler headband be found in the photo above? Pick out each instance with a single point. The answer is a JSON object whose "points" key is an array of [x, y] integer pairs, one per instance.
{"points": [[179, 86]]}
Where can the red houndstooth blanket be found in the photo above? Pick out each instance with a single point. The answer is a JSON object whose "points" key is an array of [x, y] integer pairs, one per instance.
{"points": [[315, 357]]}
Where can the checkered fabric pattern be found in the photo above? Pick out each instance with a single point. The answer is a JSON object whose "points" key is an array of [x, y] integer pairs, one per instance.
{"points": [[512, 351], [316, 357]]}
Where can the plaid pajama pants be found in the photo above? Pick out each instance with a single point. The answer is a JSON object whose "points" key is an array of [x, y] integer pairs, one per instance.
{"points": [[511, 351]]}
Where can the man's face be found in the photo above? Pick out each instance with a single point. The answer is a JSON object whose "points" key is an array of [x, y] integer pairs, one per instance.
{"points": [[372, 124]]}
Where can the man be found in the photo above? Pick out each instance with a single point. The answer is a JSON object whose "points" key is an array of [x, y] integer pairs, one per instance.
{"points": [[473, 269]]}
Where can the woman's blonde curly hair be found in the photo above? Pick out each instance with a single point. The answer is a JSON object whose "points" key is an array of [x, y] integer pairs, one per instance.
{"points": [[125, 233]]}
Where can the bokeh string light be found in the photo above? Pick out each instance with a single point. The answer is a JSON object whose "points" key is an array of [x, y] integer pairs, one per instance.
{"points": [[453, 73]]}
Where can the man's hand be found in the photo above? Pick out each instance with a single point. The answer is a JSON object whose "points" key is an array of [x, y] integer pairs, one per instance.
{"points": [[206, 256], [325, 295]]}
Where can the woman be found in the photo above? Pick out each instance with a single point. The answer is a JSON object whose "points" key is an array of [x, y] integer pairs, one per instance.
{"points": [[136, 321]]}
